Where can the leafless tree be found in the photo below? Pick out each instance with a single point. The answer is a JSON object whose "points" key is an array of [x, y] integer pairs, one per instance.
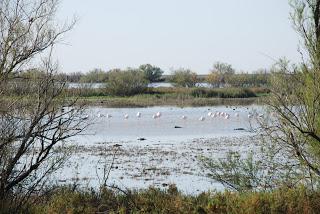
{"points": [[34, 126]]}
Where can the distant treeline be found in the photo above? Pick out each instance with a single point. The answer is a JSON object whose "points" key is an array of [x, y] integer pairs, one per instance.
{"points": [[132, 81], [221, 75]]}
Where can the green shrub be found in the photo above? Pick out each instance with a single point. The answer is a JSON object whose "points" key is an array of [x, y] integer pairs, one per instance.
{"points": [[151, 73], [126, 82], [94, 76], [184, 78]]}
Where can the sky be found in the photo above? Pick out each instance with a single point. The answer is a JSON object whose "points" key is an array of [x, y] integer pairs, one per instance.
{"points": [[172, 34]]}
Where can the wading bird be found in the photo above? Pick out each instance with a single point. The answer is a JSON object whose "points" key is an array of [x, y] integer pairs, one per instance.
{"points": [[138, 115], [158, 114]]}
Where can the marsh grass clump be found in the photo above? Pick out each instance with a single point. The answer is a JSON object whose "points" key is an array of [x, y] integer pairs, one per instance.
{"points": [[223, 93]]}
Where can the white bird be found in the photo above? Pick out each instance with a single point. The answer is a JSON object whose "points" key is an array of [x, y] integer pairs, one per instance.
{"points": [[261, 115], [85, 117], [109, 115], [184, 117], [158, 114], [202, 118], [209, 114], [138, 114], [236, 114], [154, 116], [126, 116], [249, 116], [227, 117]]}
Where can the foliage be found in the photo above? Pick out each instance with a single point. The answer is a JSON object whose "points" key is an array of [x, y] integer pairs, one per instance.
{"points": [[267, 168], [126, 82], [73, 76], [223, 93], [224, 75], [152, 200], [151, 73], [257, 79], [295, 100], [296, 111], [184, 78], [94, 76], [219, 73], [223, 68]]}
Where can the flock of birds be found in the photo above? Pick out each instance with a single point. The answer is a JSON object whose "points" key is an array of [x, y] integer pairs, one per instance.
{"points": [[158, 115]]}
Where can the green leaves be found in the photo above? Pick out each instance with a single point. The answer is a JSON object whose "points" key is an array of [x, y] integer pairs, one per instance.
{"points": [[184, 78], [151, 73], [126, 82]]}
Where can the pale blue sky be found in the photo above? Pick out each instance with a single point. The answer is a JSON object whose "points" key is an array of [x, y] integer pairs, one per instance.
{"points": [[176, 33]]}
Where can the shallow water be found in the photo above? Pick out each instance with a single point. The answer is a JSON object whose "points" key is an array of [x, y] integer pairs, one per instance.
{"points": [[117, 128], [166, 155]]}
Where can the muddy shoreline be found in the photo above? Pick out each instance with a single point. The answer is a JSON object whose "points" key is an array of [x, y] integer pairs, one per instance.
{"points": [[137, 166]]}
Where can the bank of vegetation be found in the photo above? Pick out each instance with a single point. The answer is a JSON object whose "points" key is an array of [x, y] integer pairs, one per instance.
{"points": [[70, 200], [130, 88], [141, 96]]}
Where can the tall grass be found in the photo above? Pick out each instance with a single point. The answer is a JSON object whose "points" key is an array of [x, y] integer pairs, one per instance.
{"points": [[68, 200], [175, 96], [171, 96], [178, 91]]}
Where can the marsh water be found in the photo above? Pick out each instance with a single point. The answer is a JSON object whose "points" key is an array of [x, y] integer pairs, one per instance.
{"points": [[143, 149]]}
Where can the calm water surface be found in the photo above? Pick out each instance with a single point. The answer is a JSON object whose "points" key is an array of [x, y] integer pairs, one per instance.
{"points": [[169, 152]]}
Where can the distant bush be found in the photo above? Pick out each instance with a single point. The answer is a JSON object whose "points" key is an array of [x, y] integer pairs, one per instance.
{"points": [[151, 73], [94, 76], [184, 78], [126, 82], [257, 79]]}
